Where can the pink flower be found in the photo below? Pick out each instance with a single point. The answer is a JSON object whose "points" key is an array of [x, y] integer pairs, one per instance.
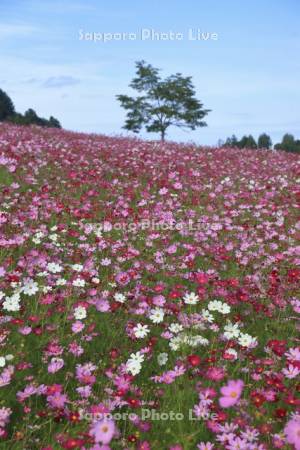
{"points": [[144, 446], [292, 432], [103, 431], [215, 373], [100, 447], [57, 400], [205, 446], [77, 326], [159, 300], [55, 365], [231, 393], [122, 278], [102, 305]]}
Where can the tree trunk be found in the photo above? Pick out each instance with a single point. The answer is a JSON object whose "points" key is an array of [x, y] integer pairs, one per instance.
{"points": [[162, 135]]}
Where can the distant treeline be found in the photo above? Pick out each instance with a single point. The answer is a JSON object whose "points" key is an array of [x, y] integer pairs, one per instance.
{"points": [[30, 117], [288, 142]]}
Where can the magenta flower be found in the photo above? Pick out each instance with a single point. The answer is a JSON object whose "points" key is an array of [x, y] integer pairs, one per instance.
{"points": [[122, 278], [292, 432], [57, 400], [231, 393], [103, 431]]}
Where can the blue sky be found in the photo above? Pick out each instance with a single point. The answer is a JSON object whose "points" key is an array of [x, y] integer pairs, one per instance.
{"points": [[249, 76]]}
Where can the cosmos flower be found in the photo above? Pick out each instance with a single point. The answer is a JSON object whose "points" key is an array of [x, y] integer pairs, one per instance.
{"points": [[141, 331], [156, 315], [162, 359], [231, 393], [80, 313], [292, 432], [191, 299], [103, 431]]}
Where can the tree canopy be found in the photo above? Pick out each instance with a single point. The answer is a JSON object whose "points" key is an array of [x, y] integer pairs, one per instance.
{"points": [[30, 117], [7, 108], [163, 102]]}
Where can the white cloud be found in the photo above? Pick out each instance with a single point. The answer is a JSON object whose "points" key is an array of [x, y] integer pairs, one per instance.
{"points": [[16, 30], [60, 81]]}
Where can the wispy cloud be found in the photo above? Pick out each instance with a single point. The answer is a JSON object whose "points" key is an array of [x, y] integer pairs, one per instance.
{"points": [[16, 30], [60, 81], [68, 6]]}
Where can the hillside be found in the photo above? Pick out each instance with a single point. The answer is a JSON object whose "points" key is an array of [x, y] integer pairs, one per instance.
{"points": [[148, 294]]}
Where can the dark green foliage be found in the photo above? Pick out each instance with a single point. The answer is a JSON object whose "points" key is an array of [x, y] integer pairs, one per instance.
{"points": [[30, 117], [289, 144], [164, 103], [245, 142], [264, 141], [7, 108], [231, 142]]}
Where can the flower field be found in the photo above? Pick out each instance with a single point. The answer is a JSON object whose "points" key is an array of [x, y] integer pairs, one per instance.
{"points": [[149, 295]]}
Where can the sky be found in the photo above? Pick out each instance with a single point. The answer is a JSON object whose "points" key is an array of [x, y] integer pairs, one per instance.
{"points": [[245, 65]]}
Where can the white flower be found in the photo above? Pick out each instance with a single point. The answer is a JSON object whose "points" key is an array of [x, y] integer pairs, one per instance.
{"points": [[175, 343], [30, 288], [37, 237], [95, 280], [42, 274], [191, 299], [61, 282], [119, 297], [195, 341], [245, 340], [175, 327], [2, 361], [231, 330], [217, 305], [207, 316], [78, 282], [214, 305], [225, 309], [156, 315], [134, 363], [12, 303], [2, 295], [9, 357], [54, 268], [162, 359], [46, 289], [77, 267], [232, 352], [141, 331], [80, 313]]}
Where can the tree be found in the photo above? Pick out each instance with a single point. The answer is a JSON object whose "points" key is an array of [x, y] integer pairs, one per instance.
{"points": [[251, 143], [288, 144], [52, 122], [162, 103], [247, 142], [31, 117], [231, 141], [264, 141], [7, 108]]}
